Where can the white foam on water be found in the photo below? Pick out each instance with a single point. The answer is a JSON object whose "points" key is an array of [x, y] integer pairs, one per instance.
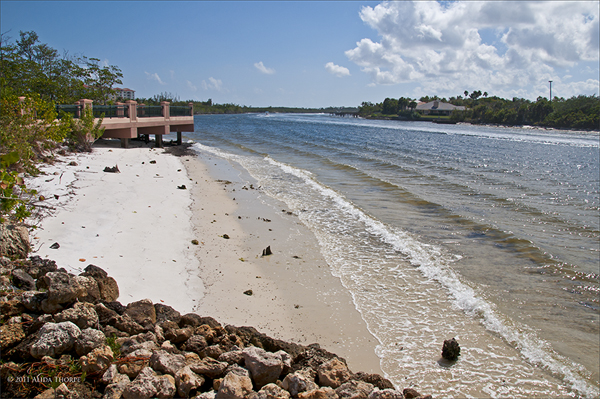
{"points": [[345, 233]]}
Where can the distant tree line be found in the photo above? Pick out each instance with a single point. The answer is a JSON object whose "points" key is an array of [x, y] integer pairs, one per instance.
{"points": [[208, 107], [578, 112]]}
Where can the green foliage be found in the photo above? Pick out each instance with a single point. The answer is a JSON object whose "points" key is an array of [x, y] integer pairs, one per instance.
{"points": [[83, 131], [581, 112], [28, 128], [114, 345], [16, 201], [28, 67]]}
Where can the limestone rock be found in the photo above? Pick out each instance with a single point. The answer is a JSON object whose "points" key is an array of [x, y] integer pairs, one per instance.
{"points": [[194, 320], [333, 373], [55, 339], [11, 307], [207, 332], [165, 387], [23, 280], [111, 375], [90, 288], [451, 349], [232, 357], [132, 367], [144, 385], [82, 314], [236, 384], [375, 379], [109, 290], [272, 391], [264, 367], [179, 335], [89, 340], [213, 351], [166, 362], [14, 241], [187, 380], [126, 324], [11, 335], [115, 389], [410, 393], [38, 266], [354, 390], [166, 313], [32, 300], [104, 313], [209, 367], [196, 344], [297, 382], [98, 359], [142, 311], [320, 393], [385, 394], [62, 287]]}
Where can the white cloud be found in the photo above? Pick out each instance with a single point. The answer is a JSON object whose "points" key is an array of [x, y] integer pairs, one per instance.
{"points": [[441, 47], [213, 84], [154, 76], [261, 67], [337, 70], [191, 85]]}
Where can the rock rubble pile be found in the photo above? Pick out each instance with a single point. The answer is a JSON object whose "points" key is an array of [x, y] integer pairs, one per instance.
{"points": [[66, 336]]}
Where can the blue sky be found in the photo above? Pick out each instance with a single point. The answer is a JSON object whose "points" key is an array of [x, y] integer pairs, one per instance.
{"points": [[319, 54]]}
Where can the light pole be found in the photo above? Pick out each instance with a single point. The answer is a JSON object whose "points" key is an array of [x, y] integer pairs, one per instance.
{"points": [[550, 90]]}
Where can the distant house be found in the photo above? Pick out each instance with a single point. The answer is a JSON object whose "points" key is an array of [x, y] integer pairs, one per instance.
{"points": [[125, 93], [438, 108]]}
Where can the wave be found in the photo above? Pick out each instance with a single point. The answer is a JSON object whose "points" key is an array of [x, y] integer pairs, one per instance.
{"points": [[335, 220]]}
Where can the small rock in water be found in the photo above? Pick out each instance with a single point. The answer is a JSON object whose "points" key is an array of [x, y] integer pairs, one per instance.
{"points": [[182, 187], [267, 251], [195, 242], [225, 236], [55, 246], [248, 292], [114, 169], [451, 349]]}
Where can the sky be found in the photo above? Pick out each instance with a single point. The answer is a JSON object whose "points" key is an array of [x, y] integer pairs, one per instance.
{"points": [[326, 53]]}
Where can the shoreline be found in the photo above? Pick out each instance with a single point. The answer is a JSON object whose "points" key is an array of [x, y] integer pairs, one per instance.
{"points": [[121, 223]]}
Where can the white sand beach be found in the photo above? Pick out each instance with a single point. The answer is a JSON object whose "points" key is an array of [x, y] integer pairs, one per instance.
{"points": [[139, 225]]}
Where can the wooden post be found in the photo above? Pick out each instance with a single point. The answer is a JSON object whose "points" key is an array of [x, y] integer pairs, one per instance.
{"points": [[179, 139], [159, 141], [124, 143]]}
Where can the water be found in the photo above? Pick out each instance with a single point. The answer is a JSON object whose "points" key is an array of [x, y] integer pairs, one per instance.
{"points": [[489, 235]]}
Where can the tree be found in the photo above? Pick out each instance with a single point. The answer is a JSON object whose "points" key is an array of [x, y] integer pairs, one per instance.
{"points": [[83, 131], [390, 106], [100, 80], [28, 67], [475, 95]]}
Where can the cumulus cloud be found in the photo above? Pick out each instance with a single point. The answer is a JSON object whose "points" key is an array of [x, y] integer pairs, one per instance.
{"points": [[154, 76], [261, 67], [442, 46], [337, 70], [213, 84], [191, 85]]}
